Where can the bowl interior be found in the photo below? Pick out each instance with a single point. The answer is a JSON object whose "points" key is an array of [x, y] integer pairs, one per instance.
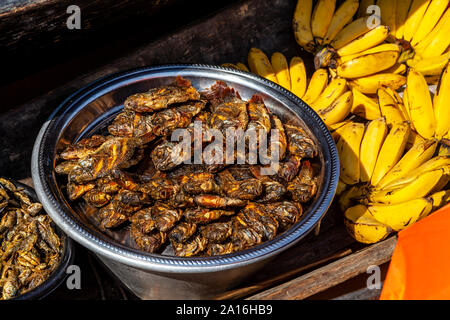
{"points": [[91, 109]]}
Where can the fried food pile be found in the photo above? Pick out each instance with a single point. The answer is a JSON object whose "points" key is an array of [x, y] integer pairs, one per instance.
{"points": [[30, 249], [138, 179]]}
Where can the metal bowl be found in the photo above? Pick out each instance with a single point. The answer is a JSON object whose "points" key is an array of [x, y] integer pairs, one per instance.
{"points": [[155, 276], [57, 277]]}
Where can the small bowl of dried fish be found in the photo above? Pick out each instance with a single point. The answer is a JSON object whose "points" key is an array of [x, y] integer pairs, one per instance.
{"points": [[34, 253], [185, 179]]}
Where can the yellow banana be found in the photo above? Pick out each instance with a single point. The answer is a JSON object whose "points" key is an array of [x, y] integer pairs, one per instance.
{"points": [[371, 84], [388, 10], [435, 163], [394, 94], [242, 67], [413, 139], [366, 41], [317, 84], [321, 19], [363, 5], [349, 150], [373, 139], [402, 215], [414, 158], [281, 68], [398, 68], [437, 41], [441, 104], [431, 17], [364, 107], [402, 13], [430, 66], [260, 64], [389, 108], [418, 188], [367, 64], [391, 151], [336, 126], [350, 32], [407, 109], [440, 199], [420, 105], [415, 15], [361, 225], [351, 196], [380, 48], [338, 110], [297, 72], [340, 187], [301, 24], [230, 65], [334, 90], [341, 17]]}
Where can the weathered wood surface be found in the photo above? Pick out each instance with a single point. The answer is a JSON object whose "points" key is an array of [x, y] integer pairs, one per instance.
{"points": [[331, 274]]}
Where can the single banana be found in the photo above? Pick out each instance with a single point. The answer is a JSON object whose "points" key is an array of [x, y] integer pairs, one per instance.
{"points": [[389, 108], [348, 147], [334, 90], [430, 66], [420, 105], [321, 19], [351, 196], [388, 10], [401, 15], [338, 110], [415, 15], [380, 48], [260, 64], [352, 31], [435, 163], [297, 72], [301, 24], [370, 39], [391, 151], [361, 225], [441, 103], [440, 199], [364, 107], [413, 139], [418, 188], [437, 41], [373, 139], [317, 84], [367, 64], [363, 6], [341, 17], [407, 109], [394, 94], [242, 67], [281, 68], [230, 65], [398, 68], [402, 215], [371, 84], [430, 19], [414, 158], [336, 126]]}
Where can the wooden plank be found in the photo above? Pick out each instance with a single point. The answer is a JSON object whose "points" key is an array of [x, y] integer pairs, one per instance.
{"points": [[361, 294], [332, 274]]}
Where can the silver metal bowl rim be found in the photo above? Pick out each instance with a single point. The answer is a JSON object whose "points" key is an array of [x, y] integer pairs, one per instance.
{"points": [[161, 263]]}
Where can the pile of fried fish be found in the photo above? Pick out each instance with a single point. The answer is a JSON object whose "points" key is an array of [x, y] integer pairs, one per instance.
{"points": [[134, 180], [30, 249]]}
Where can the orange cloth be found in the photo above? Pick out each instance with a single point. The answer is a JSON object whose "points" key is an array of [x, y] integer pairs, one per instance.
{"points": [[420, 265]]}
